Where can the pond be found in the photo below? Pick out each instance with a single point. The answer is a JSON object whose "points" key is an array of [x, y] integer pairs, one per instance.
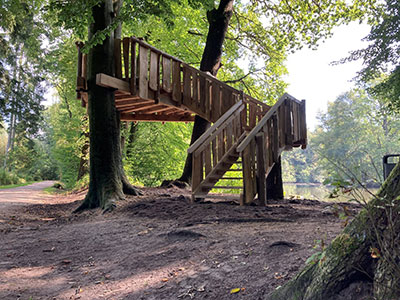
{"points": [[319, 192]]}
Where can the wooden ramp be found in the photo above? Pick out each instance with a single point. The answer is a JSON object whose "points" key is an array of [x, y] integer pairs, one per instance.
{"points": [[151, 85]]}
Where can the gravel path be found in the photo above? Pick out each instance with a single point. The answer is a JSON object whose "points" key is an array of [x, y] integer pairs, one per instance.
{"points": [[23, 195]]}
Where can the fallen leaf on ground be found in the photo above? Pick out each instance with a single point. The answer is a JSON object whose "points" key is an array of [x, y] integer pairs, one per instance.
{"points": [[49, 250], [66, 261], [164, 279], [234, 291]]}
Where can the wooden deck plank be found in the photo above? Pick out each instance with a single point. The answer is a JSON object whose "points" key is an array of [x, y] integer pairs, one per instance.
{"points": [[155, 118]]}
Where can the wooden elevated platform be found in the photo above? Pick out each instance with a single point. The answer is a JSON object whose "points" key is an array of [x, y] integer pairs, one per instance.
{"points": [[151, 85]]}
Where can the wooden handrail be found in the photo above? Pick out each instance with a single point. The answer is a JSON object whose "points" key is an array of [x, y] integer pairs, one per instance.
{"points": [[210, 130], [144, 44], [264, 120]]}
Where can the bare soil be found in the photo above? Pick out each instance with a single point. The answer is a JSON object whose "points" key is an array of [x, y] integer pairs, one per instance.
{"points": [[157, 246]]}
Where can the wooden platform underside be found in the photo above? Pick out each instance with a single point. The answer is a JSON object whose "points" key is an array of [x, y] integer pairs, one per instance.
{"points": [[135, 108]]}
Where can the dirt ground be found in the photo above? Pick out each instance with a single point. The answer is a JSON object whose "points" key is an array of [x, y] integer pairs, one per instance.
{"points": [[156, 246]]}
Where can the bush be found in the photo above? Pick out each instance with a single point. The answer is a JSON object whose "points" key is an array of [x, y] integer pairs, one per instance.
{"points": [[7, 178]]}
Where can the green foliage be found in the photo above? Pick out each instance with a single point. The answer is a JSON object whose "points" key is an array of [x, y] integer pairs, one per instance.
{"points": [[9, 178], [354, 134], [157, 152], [301, 166]]}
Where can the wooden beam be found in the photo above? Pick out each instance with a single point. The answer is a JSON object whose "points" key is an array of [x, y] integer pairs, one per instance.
{"points": [[156, 109], [137, 107], [112, 82], [155, 118], [129, 102], [149, 107]]}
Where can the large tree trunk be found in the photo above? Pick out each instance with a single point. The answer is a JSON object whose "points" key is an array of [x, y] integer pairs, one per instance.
{"points": [[364, 260], [108, 182], [274, 182], [218, 20]]}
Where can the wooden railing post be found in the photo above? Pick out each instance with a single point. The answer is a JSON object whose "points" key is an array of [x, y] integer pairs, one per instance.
{"points": [[303, 126], [261, 171], [197, 170]]}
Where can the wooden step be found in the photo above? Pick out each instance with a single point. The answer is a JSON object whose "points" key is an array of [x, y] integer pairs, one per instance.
{"points": [[216, 196], [222, 187]]}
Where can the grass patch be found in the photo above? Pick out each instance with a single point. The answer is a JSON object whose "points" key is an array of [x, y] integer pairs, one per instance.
{"points": [[10, 186], [53, 191]]}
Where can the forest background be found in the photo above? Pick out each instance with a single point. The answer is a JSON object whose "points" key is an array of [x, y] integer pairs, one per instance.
{"points": [[38, 143]]}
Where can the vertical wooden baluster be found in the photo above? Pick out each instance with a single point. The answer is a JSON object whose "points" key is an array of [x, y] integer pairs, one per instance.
{"points": [[207, 159], [252, 115], [195, 90], [166, 74], [214, 151], [117, 58], [187, 86], [220, 145], [288, 125], [208, 99], [261, 183], [202, 94], [133, 67], [229, 133], [176, 82], [216, 102], [143, 72], [125, 46], [153, 71]]}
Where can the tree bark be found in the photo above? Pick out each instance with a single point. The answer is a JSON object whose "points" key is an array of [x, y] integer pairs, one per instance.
{"points": [[274, 182], [365, 255], [218, 20], [108, 182]]}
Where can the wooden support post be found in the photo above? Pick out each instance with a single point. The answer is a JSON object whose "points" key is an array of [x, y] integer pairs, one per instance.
{"points": [[197, 170], [261, 184], [247, 175]]}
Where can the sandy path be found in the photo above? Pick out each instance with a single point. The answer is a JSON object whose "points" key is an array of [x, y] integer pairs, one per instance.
{"points": [[23, 195]]}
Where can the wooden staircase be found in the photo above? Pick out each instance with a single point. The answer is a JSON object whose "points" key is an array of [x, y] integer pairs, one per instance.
{"points": [[219, 148], [151, 85]]}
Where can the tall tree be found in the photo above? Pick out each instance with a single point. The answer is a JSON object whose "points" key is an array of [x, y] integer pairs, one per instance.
{"points": [[108, 182], [218, 19]]}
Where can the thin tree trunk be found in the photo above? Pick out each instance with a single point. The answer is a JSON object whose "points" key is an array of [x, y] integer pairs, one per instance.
{"points": [[108, 182], [218, 20]]}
